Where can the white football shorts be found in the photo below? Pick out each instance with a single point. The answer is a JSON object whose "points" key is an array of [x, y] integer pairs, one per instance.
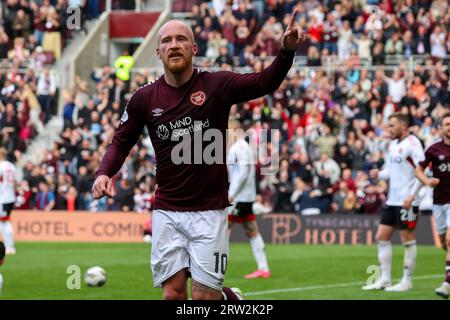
{"points": [[441, 214], [196, 240]]}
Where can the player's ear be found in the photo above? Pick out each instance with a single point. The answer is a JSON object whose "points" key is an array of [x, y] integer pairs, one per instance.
{"points": [[194, 49], [158, 53]]}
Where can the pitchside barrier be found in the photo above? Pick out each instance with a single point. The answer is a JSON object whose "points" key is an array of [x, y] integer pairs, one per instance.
{"points": [[326, 229]]}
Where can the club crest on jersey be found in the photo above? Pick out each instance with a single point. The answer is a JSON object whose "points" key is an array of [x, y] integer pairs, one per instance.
{"points": [[198, 98], [157, 112]]}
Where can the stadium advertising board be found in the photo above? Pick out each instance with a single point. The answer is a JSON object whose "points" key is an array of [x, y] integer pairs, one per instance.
{"points": [[330, 229], [78, 226], [275, 228]]}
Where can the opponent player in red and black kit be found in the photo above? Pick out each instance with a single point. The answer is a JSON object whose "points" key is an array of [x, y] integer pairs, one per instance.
{"points": [[189, 220], [437, 156]]}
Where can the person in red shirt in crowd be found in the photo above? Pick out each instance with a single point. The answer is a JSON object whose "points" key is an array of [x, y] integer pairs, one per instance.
{"points": [[24, 195], [347, 178]]}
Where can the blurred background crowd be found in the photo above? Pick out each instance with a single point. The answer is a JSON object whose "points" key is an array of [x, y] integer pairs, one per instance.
{"points": [[331, 111]]}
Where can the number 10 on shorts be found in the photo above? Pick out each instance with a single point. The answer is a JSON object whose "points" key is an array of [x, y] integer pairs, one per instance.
{"points": [[221, 260]]}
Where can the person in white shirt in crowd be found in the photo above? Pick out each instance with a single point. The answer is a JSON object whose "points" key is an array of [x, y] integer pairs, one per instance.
{"points": [[46, 89], [396, 86]]}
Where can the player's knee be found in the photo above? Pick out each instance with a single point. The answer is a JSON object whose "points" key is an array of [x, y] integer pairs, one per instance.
{"points": [[407, 235], [251, 233], [446, 243], [381, 237], [174, 294]]}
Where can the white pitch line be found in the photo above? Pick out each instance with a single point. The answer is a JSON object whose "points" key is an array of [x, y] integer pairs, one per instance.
{"points": [[336, 285]]}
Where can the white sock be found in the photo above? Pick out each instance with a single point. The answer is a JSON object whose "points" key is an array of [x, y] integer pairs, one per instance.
{"points": [[385, 259], [257, 244], [410, 259], [8, 234]]}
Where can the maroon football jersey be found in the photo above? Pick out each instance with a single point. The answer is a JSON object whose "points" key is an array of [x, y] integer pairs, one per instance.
{"points": [[189, 111], [438, 154]]}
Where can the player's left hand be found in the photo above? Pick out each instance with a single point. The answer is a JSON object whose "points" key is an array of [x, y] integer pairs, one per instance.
{"points": [[294, 35], [408, 202]]}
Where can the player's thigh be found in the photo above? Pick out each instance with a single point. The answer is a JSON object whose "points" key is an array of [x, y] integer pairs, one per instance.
{"points": [[175, 287], [169, 247], [385, 232], [208, 247], [387, 225], [441, 216], [447, 237], [204, 292], [230, 224], [251, 228]]}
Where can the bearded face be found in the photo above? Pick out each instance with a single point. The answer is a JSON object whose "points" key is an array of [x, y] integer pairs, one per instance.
{"points": [[176, 47]]}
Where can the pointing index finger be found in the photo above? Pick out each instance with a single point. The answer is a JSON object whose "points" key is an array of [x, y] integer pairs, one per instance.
{"points": [[292, 19]]}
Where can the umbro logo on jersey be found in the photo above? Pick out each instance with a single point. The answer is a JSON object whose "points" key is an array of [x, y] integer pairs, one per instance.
{"points": [[198, 98], [157, 112]]}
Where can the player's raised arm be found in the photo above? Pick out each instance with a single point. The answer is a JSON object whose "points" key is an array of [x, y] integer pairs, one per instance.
{"points": [[125, 137], [244, 87]]}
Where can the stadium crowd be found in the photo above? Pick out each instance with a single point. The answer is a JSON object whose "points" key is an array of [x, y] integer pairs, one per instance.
{"points": [[32, 36], [332, 125]]}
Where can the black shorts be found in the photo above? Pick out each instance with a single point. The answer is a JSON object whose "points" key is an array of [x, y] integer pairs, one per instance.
{"points": [[6, 211], [242, 213], [398, 217]]}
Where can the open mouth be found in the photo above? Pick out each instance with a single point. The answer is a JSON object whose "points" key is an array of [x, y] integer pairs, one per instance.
{"points": [[175, 55]]}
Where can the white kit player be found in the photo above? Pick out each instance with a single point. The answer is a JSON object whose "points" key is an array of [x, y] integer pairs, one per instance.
{"points": [[401, 210], [8, 179], [242, 194]]}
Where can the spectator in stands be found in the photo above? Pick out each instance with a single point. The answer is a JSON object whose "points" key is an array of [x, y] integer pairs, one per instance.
{"points": [[303, 199], [242, 36], [394, 45], [46, 89], [344, 200], [283, 193], [437, 42], [21, 24], [19, 51], [345, 41], [52, 40], [9, 124], [224, 58], [29, 98], [4, 40], [23, 199], [124, 195], [45, 199], [39, 24], [313, 57]]}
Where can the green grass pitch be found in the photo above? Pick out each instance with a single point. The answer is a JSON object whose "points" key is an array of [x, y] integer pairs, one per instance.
{"points": [[38, 271]]}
